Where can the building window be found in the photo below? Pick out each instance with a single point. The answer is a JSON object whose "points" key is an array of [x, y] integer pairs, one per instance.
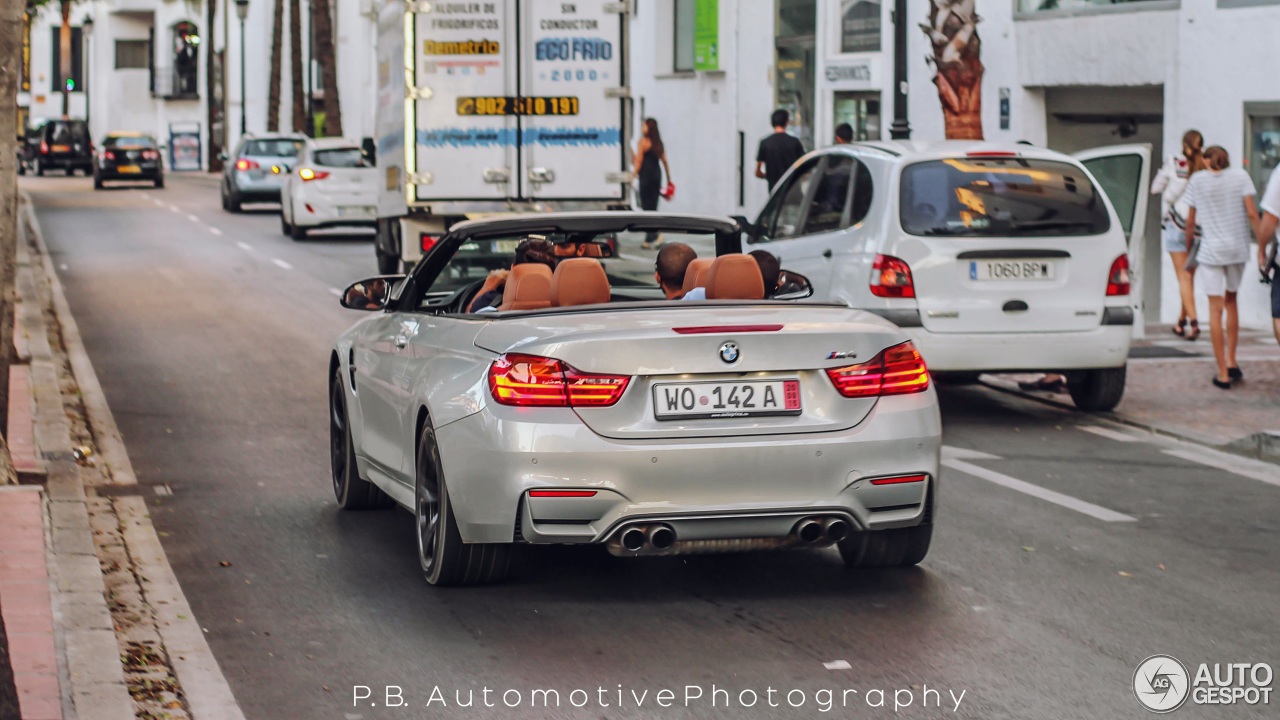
{"points": [[1262, 141], [76, 74], [859, 26], [133, 55], [685, 15], [795, 30], [1068, 7]]}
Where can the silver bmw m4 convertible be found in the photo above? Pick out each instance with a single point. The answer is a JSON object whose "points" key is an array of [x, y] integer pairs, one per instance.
{"points": [[540, 379]]}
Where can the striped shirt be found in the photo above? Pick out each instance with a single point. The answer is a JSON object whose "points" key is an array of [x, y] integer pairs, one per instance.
{"points": [[1218, 199]]}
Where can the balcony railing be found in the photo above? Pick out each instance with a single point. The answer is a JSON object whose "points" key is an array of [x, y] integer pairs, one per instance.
{"points": [[175, 83], [1025, 8]]}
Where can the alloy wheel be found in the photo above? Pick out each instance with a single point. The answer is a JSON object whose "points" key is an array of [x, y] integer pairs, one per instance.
{"points": [[427, 507], [338, 438]]}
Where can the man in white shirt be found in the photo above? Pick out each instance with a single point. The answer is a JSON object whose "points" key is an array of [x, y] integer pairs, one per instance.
{"points": [[1268, 234]]}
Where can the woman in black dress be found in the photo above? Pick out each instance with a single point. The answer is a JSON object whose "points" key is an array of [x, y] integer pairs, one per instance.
{"points": [[649, 153]]}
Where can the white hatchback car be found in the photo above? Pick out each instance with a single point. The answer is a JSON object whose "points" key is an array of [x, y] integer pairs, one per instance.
{"points": [[332, 185], [992, 258]]}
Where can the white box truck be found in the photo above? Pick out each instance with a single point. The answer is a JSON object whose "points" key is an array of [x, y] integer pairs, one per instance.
{"points": [[497, 107]]}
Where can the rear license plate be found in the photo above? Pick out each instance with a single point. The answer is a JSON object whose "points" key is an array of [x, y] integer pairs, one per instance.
{"points": [[61, 148], [687, 401], [985, 270], [355, 211], [128, 169]]}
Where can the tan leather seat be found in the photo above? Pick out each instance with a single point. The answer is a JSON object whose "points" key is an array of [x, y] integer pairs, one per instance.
{"points": [[579, 281], [528, 288], [696, 273], [734, 277]]}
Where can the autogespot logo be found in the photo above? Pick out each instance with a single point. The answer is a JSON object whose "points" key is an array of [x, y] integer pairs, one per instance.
{"points": [[1161, 683]]}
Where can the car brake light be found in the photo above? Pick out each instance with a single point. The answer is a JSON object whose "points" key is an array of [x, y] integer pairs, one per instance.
{"points": [[44, 147], [247, 165], [533, 381], [991, 153], [150, 155], [109, 155], [1118, 278], [898, 370], [428, 242], [562, 493], [891, 277], [307, 174], [898, 479], [721, 329]]}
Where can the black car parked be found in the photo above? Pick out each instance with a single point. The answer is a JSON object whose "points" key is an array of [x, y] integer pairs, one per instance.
{"points": [[58, 145], [128, 156]]}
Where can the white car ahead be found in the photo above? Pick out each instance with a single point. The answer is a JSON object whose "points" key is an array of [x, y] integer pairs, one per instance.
{"points": [[332, 185], [990, 257]]}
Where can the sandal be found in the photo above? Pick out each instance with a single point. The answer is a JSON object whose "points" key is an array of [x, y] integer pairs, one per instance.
{"points": [[1219, 384], [1235, 373], [1194, 332], [1181, 328]]}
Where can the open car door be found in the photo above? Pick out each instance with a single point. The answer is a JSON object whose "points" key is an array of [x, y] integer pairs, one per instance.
{"points": [[1124, 174]]}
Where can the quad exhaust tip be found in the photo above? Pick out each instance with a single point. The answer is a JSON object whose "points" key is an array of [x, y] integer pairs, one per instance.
{"points": [[809, 530], [661, 537], [835, 529], [821, 529], [633, 539]]}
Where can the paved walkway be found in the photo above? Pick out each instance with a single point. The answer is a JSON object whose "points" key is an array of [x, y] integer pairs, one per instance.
{"points": [[1169, 391], [27, 605]]}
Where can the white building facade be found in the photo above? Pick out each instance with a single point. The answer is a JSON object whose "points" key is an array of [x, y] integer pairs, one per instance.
{"points": [[1066, 74]]}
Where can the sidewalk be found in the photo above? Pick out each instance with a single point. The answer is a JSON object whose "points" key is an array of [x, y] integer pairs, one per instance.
{"points": [[1169, 392]]}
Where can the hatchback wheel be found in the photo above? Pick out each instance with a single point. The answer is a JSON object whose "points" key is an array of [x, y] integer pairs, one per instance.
{"points": [[352, 491], [295, 232], [1097, 390], [444, 558], [97, 183], [39, 168]]}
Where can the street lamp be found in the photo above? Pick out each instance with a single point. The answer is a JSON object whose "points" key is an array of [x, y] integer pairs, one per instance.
{"points": [[901, 129], [86, 27], [242, 12]]}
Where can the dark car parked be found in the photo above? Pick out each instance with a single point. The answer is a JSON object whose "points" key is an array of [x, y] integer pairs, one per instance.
{"points": [[128, 156], [58, 145]]}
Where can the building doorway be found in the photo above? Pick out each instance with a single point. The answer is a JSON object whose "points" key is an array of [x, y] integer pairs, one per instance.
{"points": [[794, 63], [861, 110]]}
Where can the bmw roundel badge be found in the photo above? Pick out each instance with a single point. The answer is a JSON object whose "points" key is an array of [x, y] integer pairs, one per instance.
{"points": [[729, 352]]}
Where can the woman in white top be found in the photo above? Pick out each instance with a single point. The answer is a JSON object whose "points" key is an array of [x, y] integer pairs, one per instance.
{"points": [[1171, 184], [1221, 201]]}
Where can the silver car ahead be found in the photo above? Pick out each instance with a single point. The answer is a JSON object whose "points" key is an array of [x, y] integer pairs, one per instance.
{"points": [[581, 406]]}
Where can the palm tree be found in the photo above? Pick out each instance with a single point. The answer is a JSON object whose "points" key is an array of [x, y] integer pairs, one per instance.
{"points": [[295, 66], [322, 28], [277, 37], [953, 31]]}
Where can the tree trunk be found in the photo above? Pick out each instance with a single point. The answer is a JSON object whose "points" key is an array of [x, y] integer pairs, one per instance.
{"points": [[297, 79], [322, 23], [277, 45], [10, 70], [64, 56], [957, 51], [213, 111]]}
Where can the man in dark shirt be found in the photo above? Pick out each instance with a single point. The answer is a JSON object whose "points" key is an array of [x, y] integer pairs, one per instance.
{"points": [[778, 151]]}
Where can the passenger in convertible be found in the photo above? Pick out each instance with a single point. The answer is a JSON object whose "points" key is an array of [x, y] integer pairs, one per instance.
{"points": [[530, 250], [671, 266]]}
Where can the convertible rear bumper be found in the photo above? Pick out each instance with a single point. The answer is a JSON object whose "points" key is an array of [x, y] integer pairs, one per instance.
{"points": [[706, 490]]}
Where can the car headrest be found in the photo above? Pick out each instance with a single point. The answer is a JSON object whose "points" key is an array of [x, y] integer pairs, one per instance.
{"points": [[579, 281], [734, 277], [528, 288], [696, 273]]}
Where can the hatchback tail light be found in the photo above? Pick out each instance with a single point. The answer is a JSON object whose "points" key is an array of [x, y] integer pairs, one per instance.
{"points": [[307, 174], [891, 277], [1118, 278], [109, 155], [243, 165], [533, 381], [44, 147], [150, 155], [427, 242], [898, 370]]}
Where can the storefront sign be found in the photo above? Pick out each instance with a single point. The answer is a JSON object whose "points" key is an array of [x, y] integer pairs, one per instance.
{"points": [[706, 35], [1004, 108], [851, 75], [184, 147], [859, 26]]}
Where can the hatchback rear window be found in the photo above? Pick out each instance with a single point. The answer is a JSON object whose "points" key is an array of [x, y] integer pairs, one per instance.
{"points": [[341, 158], [68, 132], [129, 141], [273, 148], [1007, 197]]}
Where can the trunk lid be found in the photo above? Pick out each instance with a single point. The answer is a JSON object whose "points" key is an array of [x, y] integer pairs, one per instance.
{"points": [[773, 345]]}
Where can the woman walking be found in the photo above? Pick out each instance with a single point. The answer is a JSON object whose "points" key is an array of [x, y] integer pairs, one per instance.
{"points": [[1221, 201], [1171, 184], [649, 153]]}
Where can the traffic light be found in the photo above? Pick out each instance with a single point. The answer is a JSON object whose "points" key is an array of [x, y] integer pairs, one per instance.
{"points": [[71, 84]]}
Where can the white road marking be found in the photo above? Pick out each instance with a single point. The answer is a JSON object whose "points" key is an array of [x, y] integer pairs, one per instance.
{"points": [[1109, 433], [175, 208], [146, 196], [950, 459], [335, 292], [158, 201], [244, 246], [215, 231], [1244, 467], [282, 264], [837, 665], [193, 218]]}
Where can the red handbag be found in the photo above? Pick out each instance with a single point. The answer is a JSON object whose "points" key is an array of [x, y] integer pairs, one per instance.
{"points": [[669, 191]]}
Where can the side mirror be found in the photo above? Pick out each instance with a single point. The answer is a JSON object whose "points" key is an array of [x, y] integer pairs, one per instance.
{"points": [[223, 156], [370, 294], [792, 286]]}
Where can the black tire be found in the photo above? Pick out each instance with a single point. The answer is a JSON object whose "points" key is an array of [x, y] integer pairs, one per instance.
{"points": [[231, 203], [97, 183], [1097, 390], [22, 167], [39, 168], [444, 558], [160, 182], [901, 547], [285, 227], [297, 233], [352, 491]]}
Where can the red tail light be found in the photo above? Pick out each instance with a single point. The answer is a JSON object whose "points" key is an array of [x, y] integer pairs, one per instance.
{"points": [[307, 174], [150, 155], [991, 153], [109, 155], [899, 479], [428, 242], [562, 493], [891, 277], [44, 147], [247, 165], [1118, 278], [898, 370], [533, 381]]}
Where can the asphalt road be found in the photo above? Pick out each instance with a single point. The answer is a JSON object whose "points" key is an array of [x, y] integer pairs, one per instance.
{"points": [[210, 334]]}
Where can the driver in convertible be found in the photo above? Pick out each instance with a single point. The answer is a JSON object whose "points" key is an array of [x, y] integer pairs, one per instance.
{"points": [[530, 250]]}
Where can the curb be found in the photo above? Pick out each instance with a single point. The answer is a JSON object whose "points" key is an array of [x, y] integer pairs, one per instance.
{"points": [[1254, 447], [203, 684]]}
